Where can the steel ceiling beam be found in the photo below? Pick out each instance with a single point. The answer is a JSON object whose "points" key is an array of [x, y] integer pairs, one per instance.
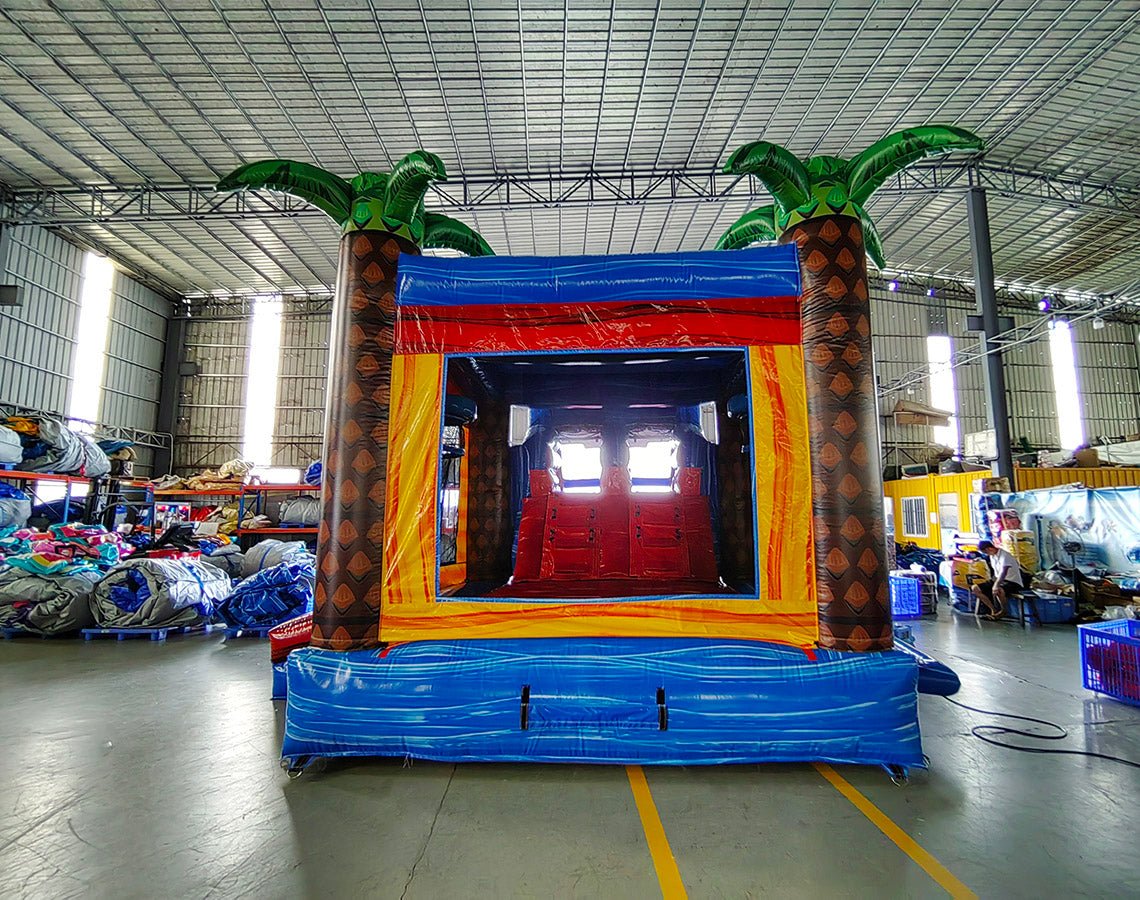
{"points": [[73, 206]]}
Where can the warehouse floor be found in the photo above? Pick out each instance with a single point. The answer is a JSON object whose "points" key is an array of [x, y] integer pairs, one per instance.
{"points": [[146, 770]]}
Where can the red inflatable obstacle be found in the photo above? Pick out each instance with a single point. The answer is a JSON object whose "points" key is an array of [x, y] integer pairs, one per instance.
{"points": [[614, 544]]}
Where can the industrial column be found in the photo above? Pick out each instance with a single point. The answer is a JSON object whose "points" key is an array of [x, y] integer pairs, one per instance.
{"points": [[983, 258]]}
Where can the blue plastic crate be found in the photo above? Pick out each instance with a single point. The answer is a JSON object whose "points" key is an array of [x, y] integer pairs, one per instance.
{"points": [[906, 597], [1110, 658], [1049, 609]]}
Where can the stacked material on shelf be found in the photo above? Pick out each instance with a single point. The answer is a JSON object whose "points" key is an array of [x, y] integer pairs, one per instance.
{"points": [[303, 511], [272, 552], [271, 596], [228, 476], [314, 473], [49, 446], [11, 450], [47, 604], [151, 593], [1023, 547], [15, 507]]}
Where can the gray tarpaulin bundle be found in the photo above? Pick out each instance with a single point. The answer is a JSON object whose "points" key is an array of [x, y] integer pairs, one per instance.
{"points": [[11, 450], [301, 511], [271, 552], [56, 448], [46, 604], [228, 558], [152, 593]]}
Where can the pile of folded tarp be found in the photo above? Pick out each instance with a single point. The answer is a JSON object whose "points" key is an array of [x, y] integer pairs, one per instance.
{"points": [[48, 445], [11, 450], [271, 596], [272, 552], [159, 593], [15, 507]]}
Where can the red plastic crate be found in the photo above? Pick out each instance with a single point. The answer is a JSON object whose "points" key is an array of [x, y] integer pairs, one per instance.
{"points": [[1110, 658]]}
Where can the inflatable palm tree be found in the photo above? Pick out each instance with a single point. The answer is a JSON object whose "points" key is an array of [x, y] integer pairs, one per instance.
{"points": [[819, 207], [381, 216]]}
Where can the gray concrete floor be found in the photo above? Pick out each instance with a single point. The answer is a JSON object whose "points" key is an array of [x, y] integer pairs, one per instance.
{"points": [[144, 770]]}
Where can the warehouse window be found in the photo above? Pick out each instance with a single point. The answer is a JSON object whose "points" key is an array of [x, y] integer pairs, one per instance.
{"points": [[1070, 426], [90, 361], [939, 350], [261, 380], [914, 517]]}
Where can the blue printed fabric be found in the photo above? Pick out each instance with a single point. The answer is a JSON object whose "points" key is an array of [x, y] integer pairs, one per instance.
{"points": [[271, 596], [314, 472], [131, 593]]}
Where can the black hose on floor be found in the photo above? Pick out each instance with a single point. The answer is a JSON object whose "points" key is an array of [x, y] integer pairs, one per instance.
{"points": [[988, 733]]}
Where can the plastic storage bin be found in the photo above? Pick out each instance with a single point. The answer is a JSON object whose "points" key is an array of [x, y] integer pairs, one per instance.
{"points": [[913, 593], [1047, 609], [1110, 658]]}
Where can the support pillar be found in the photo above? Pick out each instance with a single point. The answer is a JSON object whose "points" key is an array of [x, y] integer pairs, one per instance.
{"points": [[170, 390], [994, 370]]}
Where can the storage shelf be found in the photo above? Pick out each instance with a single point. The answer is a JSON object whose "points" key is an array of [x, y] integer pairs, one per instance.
{"points": [[277, 530], [16, 475], [265, 488], [197, 493]]}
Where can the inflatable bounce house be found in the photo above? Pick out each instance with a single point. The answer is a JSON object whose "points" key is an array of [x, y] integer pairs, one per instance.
{"points": [[606, 509]]}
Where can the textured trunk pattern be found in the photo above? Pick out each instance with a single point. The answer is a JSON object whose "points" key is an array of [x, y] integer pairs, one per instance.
{"points": [[847, 490], [346, 612]]}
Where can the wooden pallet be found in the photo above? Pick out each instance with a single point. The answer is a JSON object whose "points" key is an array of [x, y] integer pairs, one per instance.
{"points": [[242, 632], [154, 634]]}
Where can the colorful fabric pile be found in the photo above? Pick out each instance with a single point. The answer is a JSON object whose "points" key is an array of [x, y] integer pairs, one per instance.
{"points": [[62, 549], [271, 596]]}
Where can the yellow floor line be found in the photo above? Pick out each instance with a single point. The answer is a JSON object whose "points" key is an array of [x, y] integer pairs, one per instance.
{"points": [[668, 875], [901, 839]]}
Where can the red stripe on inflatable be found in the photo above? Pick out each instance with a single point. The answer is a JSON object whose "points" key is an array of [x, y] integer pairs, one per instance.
{"points": [[598, 326]]}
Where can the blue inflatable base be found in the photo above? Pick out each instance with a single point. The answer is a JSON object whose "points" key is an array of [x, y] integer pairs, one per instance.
{"points": [[614, 700], [280, 682]]}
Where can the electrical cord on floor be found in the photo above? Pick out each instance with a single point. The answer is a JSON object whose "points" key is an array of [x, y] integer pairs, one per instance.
{"points": [[987, 733]]}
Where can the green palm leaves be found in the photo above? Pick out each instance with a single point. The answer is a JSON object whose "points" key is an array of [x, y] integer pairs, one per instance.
{"points": [[372, 200], [830, 186]]}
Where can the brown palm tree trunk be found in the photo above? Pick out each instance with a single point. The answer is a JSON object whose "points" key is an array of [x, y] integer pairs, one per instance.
{"points": [[847, 489], [346, 612]]}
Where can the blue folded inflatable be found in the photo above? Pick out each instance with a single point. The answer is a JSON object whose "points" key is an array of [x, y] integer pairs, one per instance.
{"points": [[271, 596]]}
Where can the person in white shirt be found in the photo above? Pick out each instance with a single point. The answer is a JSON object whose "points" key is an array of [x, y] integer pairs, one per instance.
{"points": [[1007, 578]]}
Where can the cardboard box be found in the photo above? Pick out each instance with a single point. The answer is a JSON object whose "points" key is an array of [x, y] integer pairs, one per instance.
{"points": [[1087, 458], [1099, 594], [995, 486]]}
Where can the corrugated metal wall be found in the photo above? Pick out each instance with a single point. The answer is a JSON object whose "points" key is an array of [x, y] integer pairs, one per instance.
{"points": [[213, 401], [297, 437], [1109, 377], [1108, 369], [37, 339], [136, 340]]}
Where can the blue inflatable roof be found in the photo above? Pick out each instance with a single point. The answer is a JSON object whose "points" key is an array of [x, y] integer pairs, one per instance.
{"points": [[654, 277]]}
